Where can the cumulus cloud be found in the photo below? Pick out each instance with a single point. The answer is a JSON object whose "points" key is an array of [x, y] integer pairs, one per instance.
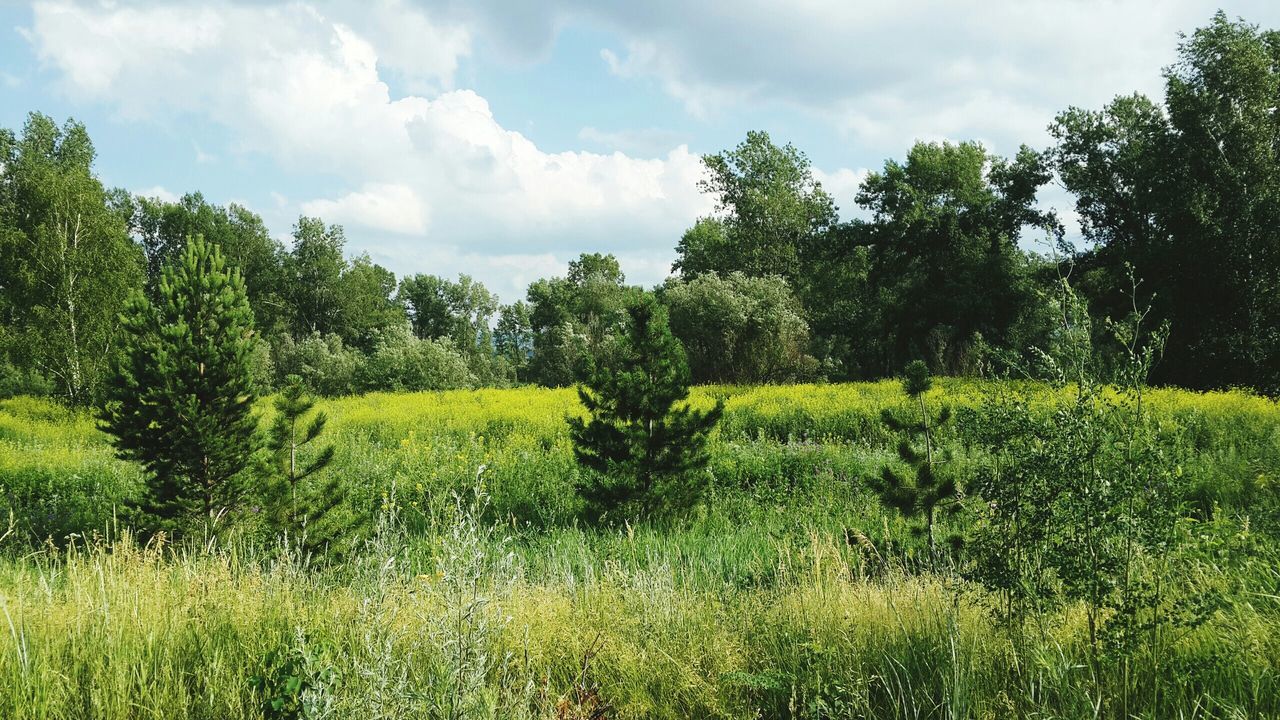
{"points": [[304, 84], [390, 207], [158, 192], [885, 73]]}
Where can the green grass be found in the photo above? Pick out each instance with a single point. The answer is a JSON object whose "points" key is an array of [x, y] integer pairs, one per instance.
{"points": [[788, 593]]}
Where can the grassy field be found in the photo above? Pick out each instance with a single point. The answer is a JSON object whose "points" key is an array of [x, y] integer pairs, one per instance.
{"points": [[456, 593]]}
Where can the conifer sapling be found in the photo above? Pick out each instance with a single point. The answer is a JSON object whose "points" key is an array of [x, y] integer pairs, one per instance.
{"points": [[642, 452]]}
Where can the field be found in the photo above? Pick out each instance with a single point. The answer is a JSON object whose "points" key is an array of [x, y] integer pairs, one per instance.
{"points": [[464, 581]]}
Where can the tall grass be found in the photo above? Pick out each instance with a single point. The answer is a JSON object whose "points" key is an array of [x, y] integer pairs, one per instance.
{"points": [[463, 627], [788, 593]]}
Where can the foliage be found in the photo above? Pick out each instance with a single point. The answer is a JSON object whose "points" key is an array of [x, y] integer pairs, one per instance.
{"points": [[400, 361], [576, 319], [68, 264], [314, 268], [931, 485], [161, 228], [644, 452], [325, 364], [770, 208], [944, 262], [1185, 192], [513, 338], [287, 436], [181, 396], [739, 329], [365, 303]]}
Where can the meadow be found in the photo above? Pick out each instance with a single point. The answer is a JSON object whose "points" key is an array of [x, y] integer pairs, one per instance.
{"points": [[459, 577]]}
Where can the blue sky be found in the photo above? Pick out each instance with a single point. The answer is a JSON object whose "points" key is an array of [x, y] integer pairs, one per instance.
{"points": [[502, 139]]}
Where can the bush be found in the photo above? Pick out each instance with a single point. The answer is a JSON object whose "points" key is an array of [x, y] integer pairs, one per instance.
{"points": [[740, 329], [323, 362], [401, 362]]}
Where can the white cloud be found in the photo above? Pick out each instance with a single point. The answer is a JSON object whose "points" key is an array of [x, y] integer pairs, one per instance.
{"points": [[158, 193], [842, 185], [884, 73], [302, 85], [389, 207]]}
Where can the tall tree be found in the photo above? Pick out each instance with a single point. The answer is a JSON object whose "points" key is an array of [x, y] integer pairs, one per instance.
{"points": [[460, 311], [513, 338], [366, 306], [769, 207], [314, 269], [644, 453], [162, 229], [68, 263], [945, 267], [181, 395], [1188, 194], [576, 317]]}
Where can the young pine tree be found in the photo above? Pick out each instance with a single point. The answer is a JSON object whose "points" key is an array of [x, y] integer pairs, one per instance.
{"points": [[924, 491], [643, 452], [289, 434], [180, 399]]}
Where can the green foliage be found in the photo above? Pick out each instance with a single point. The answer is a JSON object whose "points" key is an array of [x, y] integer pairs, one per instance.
{"points": [[314, 269], [400, 361], [181, 396], [1185, 192], [365, 303], [325, 364], [1081, 507], [460, 312], [931, 485], [289, 435], [396, 361], [576, 319], [513, 338], [944, 263], [644, 453], [740, 329], [162, 229], [68, 264], [770, 209]]}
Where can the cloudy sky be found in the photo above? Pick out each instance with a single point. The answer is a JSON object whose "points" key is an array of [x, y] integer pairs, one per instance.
{"points": [[501, 139]]}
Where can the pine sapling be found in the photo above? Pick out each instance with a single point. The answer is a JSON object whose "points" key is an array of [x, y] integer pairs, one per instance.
{"points": [[923, 491], [290, 433]]}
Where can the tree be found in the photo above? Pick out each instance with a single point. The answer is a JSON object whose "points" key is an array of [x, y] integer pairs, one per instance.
{"points": [[944, 262], [181, 394], [459, 311], [926, 490], [1188, 194], [740, 329], [365, 303], [576, 317], [68, 263], [161, 228], [289, 434], [314, 269], [643, 452], [513, 338], [769, 211]]}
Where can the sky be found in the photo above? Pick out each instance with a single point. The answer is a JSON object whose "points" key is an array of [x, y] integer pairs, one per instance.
{"points": [[502, 139]]}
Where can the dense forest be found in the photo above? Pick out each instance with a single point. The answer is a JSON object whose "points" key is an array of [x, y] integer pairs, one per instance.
{"points": [[950, 259]]}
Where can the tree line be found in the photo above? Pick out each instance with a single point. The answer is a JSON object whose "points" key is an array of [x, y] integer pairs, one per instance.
{"points": [[951, 260]]}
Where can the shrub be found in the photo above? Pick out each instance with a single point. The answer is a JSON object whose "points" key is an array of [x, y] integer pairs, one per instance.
{"points": [[401, 362], [325, 365]]}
